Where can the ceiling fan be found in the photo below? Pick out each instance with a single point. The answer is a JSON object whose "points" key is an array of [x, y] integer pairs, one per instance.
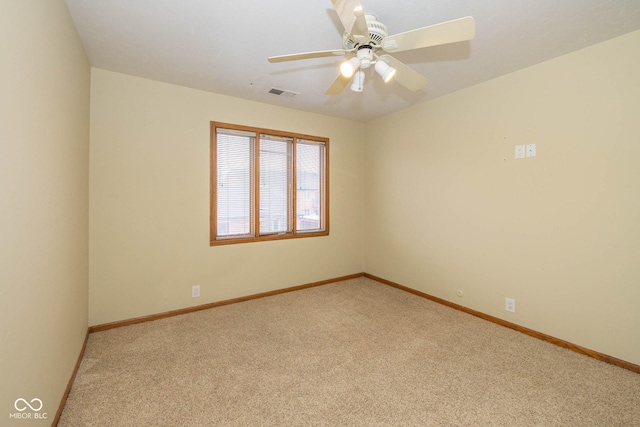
{"points": [[365, 36]]}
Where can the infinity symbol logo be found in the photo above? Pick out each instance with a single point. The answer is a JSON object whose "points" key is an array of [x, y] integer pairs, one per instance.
{"points": [[24, 402]]}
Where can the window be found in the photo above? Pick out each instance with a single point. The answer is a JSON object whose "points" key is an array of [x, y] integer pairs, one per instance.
{"points": [[267, 185]]}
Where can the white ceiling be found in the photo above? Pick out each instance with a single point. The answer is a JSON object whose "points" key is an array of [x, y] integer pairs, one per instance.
{"points": [[222, 46]]}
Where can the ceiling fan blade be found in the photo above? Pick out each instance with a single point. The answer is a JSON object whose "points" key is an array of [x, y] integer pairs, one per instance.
{"points": [[360, 27], [308, 55], [338, 85], [405, 75], [447, 32], [346, 10]]}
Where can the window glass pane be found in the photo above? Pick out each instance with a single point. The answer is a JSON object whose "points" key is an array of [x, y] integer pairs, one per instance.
{"points": [[275, 187], [309, 159], [234, 183]]}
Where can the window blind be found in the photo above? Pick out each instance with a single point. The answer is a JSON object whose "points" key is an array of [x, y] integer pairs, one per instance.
{"points": [[309, 178], [275, 184], [234, 166]]}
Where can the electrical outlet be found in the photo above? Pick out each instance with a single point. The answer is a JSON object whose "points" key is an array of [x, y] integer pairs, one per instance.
{"points": [[519, 152], [195, 291], [510, 305]]}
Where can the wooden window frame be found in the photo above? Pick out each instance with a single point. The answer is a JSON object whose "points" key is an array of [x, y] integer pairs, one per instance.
{"points": [[256, 237]]}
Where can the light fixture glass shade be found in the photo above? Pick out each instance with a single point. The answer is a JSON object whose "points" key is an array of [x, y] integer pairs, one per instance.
{"points": [[358, 81], [385, 70], [349, 67]]}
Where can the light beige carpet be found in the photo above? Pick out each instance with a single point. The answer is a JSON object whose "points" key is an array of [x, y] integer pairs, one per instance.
{"points": [[354, 353]]}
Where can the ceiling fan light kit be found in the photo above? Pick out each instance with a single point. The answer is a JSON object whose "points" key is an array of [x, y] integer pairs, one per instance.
{"points": [[357, 84], [365, 35], [386, 71], [348, 68]]}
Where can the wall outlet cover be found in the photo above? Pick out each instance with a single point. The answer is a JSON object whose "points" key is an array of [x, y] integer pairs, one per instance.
{"points": [[531, 150], [510, 305]]}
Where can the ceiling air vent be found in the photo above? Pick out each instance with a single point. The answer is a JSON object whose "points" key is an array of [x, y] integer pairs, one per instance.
{"points": [[282, 92]]}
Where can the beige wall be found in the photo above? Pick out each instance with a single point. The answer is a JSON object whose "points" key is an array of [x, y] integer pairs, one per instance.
{"points": [[448, 207], [44, 159], [149, 201]]}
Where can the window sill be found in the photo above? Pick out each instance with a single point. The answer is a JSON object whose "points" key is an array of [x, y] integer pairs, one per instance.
{"points": [[267, 238]]}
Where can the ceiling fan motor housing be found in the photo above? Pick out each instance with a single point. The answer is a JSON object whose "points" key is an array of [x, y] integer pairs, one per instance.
{"points": [[377, 32]]}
